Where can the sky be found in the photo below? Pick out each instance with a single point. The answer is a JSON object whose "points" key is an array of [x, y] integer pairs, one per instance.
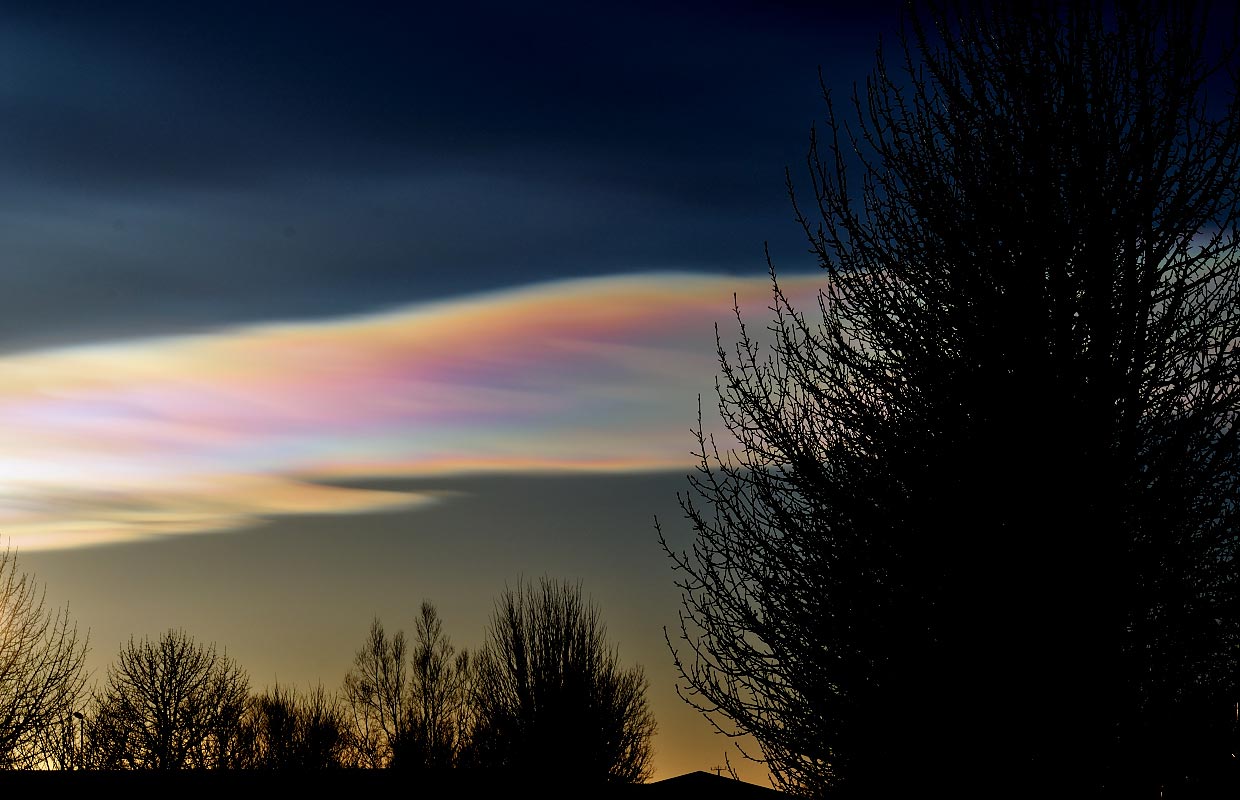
{"points": [[311, 312]]}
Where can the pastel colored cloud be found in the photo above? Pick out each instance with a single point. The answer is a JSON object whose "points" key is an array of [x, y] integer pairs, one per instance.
{"points": [[128, 440]]}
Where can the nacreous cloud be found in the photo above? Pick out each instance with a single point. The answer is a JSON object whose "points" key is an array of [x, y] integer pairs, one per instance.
{"points": [[123, 441]]}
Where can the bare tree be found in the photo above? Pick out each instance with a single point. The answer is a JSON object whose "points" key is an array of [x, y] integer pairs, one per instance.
{"points": [[439, 700], [60, 743], [550, 695], [169, 704], [376, 692], [290, 731], [41, 669], [409, 708], [981, 523]]}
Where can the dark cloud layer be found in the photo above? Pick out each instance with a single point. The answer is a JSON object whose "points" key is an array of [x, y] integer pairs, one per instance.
{"points": [[169, 167]]}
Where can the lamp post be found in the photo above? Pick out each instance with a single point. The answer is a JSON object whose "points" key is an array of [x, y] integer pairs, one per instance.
{"points": [[81, 718]]}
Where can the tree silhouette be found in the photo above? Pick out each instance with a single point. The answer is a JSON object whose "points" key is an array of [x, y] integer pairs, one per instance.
{"points": [[41, 670], [980, 523], [550, 695], [409, 709], [439, 697], [288, 731], [376, 692], [169, 704]]}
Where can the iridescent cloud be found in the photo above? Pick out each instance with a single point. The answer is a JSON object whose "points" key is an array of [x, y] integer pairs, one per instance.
{"points": [[136, 439]]}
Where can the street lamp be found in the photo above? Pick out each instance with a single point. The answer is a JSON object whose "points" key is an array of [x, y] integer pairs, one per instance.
{"points": [[81, 718]]}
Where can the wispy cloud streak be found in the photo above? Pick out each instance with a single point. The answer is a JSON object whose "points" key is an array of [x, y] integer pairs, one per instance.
{"points": [[156, 437]]}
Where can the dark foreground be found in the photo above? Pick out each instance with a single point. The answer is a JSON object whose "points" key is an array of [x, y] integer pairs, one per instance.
{"points": [[352, 784]]}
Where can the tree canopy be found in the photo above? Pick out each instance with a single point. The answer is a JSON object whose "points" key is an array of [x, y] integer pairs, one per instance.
{"points": [[550, 695], [168, 704], [980, 523]]}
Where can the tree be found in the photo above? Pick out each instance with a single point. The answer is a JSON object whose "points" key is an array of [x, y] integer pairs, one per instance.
{"points": [[41, 668], [409, 709], [169, 704], [980, 518], [376, 692], [439, 697], [288, 731], [550, 694]]}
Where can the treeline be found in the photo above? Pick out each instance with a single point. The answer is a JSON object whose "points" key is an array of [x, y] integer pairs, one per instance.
{"points": [[544, 692]]}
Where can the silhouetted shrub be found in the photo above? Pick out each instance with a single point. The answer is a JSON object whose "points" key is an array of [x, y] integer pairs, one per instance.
{"points": [[550, 696], [285, 730]]}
